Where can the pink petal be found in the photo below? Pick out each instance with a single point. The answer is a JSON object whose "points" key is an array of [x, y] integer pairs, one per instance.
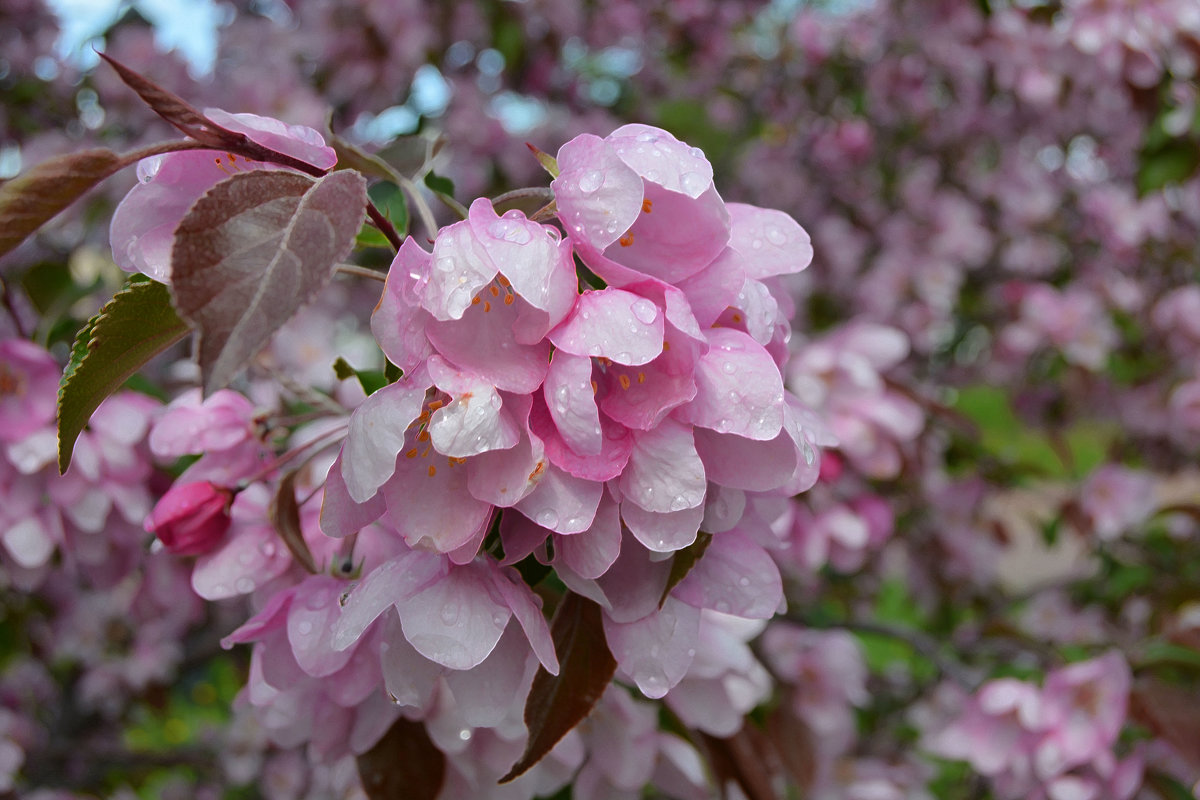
{"points": [[428, 500], [399, 322], [634, 583], [598, 195], [665, 472], [572, 402], [310, 626], [562, 503], [483, 342], [384, 586], [474, 421], [461, 267], [735, 576], [251, 556], [663, 532], [641, 397], [455, 621], [659, 157], [376, 436], [767, 242], [747, 464], [340, 514], [615, 446], [409, 677], [484, 696], [656, 650], [527, 609], [738, 388], [614, 324], [591, 553]]}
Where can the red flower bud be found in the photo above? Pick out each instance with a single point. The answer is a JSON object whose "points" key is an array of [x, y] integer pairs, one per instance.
{"points": [[192, 518]]}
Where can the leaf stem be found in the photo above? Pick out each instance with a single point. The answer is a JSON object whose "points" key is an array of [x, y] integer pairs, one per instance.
{"points": [[385, 225], [162, 148], [6, 298]]}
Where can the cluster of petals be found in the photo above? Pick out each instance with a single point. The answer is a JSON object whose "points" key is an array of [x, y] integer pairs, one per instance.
{"points": [[43, 512], [1056, 741], [605, 427]]}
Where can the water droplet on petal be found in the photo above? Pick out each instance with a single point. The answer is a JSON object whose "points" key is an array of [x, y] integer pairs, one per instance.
{"points": [[693, 183], [465, 734], [304, 628], [267, 549], [723, 606], [590, 181], [756, 244], [728, 368], [644, 310], [450, 613], [547, 518], [646, 136], [244, 585], [775, 236], [743, 581], [245, 558]]}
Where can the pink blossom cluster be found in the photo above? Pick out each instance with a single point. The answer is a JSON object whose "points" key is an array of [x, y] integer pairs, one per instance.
{"points": [[1059, 740]]}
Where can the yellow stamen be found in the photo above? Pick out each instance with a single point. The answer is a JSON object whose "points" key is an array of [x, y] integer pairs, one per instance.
{"points": [[641, 377], [503, 281], [495, 290], [432, 470], [624, 380], [595, 388], [647, 206], [508, 299], [486, 306], [411, 453], [474, 301], [423, 436], [626, 240]]}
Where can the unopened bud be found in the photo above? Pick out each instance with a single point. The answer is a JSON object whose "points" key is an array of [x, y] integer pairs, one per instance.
{"points": [[191, 518]]}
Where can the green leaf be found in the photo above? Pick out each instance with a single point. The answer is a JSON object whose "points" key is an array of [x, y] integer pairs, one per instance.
{"points": [[136, 325], [371, 380], [32, 199], [439, 184], [389, 198], [557, 703], [404, 763], [1173, 163], [683, 561]]}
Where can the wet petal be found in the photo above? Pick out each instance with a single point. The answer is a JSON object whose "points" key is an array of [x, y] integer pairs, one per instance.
{"points": [[738, 388], [665, 472], [614, 324], [656, 650]]}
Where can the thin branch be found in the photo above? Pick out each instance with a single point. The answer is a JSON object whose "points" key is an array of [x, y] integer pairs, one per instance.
{"points": [[10, 307], [361, 272], [418, 200]]}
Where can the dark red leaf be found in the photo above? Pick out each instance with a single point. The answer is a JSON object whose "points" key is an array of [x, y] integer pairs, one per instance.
{"points": [[254, 250], [1172, 713], [556, 704], [32, 199], [285, 516], [403, 764], [747, 759], [175, 110]]}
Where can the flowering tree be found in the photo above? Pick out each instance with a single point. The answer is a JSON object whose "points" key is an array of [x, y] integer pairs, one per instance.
{"points": [[592, 486]]}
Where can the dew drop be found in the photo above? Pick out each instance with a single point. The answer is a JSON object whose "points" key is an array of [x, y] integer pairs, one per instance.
{"points": [[590, 181], [775, 236], [809, 455], [646, 136], [722, 606], [450, 613], [756, 244], [220, 588], [267, 549], [743, 581], [547, 518], [244, 585], [246, 558], [693, 183], [728, 368], [623, 357], [304, 628], [498, 619], [444, 265], [645, 311], [695, 152], [652, 175], [465, 734], [691, 651]]}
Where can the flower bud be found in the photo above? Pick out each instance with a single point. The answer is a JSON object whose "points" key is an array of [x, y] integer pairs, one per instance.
{"points": [[190, 519]]}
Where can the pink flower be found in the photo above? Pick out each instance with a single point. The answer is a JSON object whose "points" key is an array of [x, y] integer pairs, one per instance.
{"points": [[640, 203], [143, 226], [191, 518], [28, 385]]}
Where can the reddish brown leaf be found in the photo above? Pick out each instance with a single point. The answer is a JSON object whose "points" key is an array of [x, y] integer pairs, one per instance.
{"points": [[32, 199], [254, 250], [403, 764], [285, 516], [745, 758], [556, 704], [175, 110], [793, 741], [1172, 713]]}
